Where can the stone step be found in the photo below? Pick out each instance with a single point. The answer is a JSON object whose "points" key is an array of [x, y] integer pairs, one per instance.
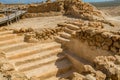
{"points": [[7, 37], [55, 73], [50, 69], [61, 40], [69, 31], [16, 46], [65, 35], [65, 75], [31, 50], [6, 32], [72, 27], [79, 24], [75, 59], [11, 41], [36, 56], [12, 45], [39, 62]]}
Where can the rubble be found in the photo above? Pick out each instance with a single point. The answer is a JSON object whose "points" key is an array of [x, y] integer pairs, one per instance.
{"points": [[109, 66], [90, 30], [89, 73]]}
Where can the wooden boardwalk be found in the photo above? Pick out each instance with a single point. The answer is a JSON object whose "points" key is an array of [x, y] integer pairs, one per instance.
{"points": [[12, 16]]}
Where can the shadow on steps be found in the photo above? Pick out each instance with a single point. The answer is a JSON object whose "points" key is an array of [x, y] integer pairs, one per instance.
{"points": [[65, 68]]}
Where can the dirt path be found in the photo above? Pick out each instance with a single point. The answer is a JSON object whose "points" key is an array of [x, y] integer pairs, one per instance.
{"points": [[40, 22]]}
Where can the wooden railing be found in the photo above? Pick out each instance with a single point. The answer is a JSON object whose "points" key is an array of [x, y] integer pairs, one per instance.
{"points": [[12, 16]]}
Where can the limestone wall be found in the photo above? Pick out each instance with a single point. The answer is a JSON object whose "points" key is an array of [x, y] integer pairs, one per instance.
{"points": [[45, 7], [82, 49], [92, 42], [82, 10], [42, 35], [46, 14], [103, 39], [97, 47], [74, 8]]}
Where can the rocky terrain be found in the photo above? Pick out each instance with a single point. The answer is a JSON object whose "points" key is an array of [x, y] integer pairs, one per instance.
{"points": [[82, 44]]}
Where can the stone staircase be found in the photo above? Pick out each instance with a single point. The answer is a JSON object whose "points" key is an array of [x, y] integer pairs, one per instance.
{"points": [[42, 60], [65, 38], [69, 30]]}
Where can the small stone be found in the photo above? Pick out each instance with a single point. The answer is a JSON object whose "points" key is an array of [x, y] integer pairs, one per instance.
{"points": [[105, 47], [117, 59], [2, 77], [113, 49], [7, 67], [23, 30], [2, 53], [115, 37], [33, 40], [77, 76], [100, 75], [98, 44], [30, 29], [112, 71], [99, 38], [106, 34], [3, 61], [108, 41], [18, 76], [118, 74], [90, 77], [88, 69], [116, 44], [16, 31]]}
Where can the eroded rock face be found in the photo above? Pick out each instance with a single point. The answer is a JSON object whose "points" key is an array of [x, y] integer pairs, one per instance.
{"points": [[23, 30], [89, 73], [75, 8], [108, 65], [7, 67], [101, 38], [18, 76], [82, 10], [78, 76], [2, 77], [90, 29], [43, 34]]}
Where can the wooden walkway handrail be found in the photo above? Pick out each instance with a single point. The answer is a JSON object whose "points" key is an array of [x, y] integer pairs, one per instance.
{"points": [[11, 16]]}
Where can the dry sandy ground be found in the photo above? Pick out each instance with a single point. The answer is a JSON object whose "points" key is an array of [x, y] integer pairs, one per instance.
{"points": [[115, 21], [40, 22], [113, 15], [48, 22], [112, 10]]}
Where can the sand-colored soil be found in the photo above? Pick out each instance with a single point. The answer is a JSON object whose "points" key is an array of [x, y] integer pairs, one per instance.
{"points": [[112, 10], [40, 22], [86, 48]]}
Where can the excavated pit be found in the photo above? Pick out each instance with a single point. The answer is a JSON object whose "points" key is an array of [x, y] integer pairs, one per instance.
{"points": [[85, 45]]}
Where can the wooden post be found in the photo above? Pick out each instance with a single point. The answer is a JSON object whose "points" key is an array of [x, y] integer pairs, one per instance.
{"points": [[16, 16], [10, 22]]}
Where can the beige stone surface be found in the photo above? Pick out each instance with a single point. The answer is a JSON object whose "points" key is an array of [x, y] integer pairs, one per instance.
{"points": [[40, 22]]}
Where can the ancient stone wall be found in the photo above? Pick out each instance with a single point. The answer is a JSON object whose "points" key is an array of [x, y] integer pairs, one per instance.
{"points": [[45, 7], [46, 14], [74, 8], [82, 10], [109, 41], [105, 68], [44, 34], [93, 42]]}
